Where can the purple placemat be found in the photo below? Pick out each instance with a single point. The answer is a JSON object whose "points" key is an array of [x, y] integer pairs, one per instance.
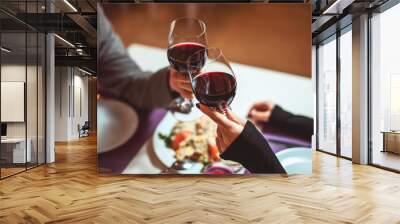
{"points": [[115, 161], [280, 139]]}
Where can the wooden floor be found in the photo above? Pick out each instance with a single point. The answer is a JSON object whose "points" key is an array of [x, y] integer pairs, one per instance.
{"points": [[10, 171], [71, 191], [5, 172], [387, 159]]}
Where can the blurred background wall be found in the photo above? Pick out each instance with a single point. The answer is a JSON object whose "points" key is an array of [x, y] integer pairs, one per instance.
{"points": [[272, 36]]}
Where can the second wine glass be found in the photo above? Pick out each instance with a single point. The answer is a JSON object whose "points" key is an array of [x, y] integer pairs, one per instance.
{"points": [[213, 80]]}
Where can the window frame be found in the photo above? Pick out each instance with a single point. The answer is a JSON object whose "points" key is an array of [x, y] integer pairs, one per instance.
{"points": [[378, 10], [333, 37], [27, 29]]}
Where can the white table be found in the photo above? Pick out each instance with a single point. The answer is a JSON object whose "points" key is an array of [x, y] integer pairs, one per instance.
{"points": [[292, 92], [18, 149]]}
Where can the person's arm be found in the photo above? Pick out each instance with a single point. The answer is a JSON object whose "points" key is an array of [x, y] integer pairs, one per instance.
{"points": [[253, 151], [121, 76], [297, 124], [266, 112], [243, 143]]}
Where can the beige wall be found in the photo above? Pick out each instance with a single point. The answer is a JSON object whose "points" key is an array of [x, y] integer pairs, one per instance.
{"points": [[273, 36], [70, 88]]}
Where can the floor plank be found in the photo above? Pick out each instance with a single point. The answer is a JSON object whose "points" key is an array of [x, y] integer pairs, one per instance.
{"points": [[71, 191]]}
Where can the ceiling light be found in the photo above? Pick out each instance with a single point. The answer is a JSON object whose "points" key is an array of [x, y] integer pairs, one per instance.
{"points": [[337, 7], [65, 41], [5, 50], [79, 51], [84, 71], [70, 5]]}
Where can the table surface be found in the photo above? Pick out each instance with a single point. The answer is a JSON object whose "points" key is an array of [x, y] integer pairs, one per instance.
{"points": [[291, 92]]}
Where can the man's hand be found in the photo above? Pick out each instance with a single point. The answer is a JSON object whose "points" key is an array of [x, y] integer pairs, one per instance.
{"points": [[229, 126], [260, 112], [180, 83]]}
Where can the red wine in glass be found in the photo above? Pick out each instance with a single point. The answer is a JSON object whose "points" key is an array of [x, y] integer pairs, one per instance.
{"points": [[213, 83], [178, 55], [186, 36], [214, 89]]}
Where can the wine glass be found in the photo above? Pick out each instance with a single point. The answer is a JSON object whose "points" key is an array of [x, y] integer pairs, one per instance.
{"points": [[186, 36], [212, 78]]}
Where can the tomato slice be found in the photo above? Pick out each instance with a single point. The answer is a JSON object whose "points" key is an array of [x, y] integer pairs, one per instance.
{"points": [[213, 152], [179, 138]]}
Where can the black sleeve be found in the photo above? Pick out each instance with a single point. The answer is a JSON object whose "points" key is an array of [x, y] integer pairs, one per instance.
{"points": [[297, 124], [252, 150]]}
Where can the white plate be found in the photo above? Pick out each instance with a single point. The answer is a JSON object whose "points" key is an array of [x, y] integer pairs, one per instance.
{"points": [[165, 154], [116, 124]]}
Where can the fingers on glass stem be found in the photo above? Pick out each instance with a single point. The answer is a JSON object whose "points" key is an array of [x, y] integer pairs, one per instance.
{"points": [[223, 108]]}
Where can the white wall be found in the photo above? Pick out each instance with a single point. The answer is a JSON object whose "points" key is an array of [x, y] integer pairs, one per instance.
{"points": [[12, 73], [81, 88], [33, 127], [61, 103], [70, 83]]}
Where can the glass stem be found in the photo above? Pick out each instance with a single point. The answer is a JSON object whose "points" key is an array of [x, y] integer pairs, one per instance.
{"points": [[223, 108]]}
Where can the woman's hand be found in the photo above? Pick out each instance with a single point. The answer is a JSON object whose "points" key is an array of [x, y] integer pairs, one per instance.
{"points": [[260, 112], [229, 126], [180, 83]]}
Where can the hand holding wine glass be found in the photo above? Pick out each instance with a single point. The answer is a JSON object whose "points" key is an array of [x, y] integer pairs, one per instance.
{"points": [[180, 83], [229, 126]]}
